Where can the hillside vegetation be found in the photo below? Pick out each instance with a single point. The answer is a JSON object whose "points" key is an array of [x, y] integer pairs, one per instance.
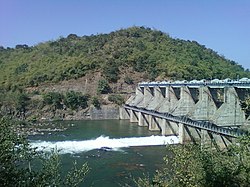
{"points": [[142, 49]]}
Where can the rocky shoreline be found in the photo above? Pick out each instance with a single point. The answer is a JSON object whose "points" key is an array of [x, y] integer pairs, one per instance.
{"points": [[48, 122], [39, 128]]}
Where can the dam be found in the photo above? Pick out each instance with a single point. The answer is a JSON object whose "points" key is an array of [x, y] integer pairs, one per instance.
{"points": [[205, 112]]}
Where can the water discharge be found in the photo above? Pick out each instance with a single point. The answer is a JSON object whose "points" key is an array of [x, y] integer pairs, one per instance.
{"points": [[102, 142]]}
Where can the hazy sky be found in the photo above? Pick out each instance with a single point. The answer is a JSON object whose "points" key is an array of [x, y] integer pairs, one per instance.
{"points": [[222, 25]]}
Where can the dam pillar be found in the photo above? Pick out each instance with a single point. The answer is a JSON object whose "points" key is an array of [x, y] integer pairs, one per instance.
{"points": [[167, 127], [184, 135], [148, 95], [216, 141], [185, 103], [153, 124], [137, 99], [142, 119], [204, 138], [133, 116], [206, 107], [169, 101], [157, 99], [230, 112], [162, 124], [124, 113]]}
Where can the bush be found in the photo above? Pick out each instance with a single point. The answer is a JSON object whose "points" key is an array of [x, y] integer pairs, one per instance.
{"points": [[96, 102], [103, 87], [117, 99], [128, 80], [54, 99], [111, 72], [73, 100], [22, 102], [245, 105]]}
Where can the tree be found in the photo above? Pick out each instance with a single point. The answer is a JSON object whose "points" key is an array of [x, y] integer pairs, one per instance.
{"points": [[17, 161], [188, 165]]}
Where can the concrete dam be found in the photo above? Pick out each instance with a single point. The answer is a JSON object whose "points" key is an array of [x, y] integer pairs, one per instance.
{"points": [[208, 113]]}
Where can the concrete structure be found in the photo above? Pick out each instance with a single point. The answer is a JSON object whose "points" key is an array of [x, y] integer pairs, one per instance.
{"points": [[214, 109]]}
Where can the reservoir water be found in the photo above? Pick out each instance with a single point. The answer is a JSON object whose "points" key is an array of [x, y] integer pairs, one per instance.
{"points": [[116, 151]]}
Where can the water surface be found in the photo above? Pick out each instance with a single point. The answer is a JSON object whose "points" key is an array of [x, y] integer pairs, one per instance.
{"points": [[116, 151]]}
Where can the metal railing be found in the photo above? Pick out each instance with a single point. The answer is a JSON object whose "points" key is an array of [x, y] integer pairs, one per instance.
{"points": [[239, 85], [205, 125]]}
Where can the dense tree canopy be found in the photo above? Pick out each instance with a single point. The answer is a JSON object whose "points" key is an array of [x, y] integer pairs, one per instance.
{"points": [[144, 49]]}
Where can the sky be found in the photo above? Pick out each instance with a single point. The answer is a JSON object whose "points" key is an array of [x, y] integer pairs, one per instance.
{"points": [[221, 25]]}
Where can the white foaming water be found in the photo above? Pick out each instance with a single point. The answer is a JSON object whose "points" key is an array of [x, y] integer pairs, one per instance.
{"points": [[103, 142]]}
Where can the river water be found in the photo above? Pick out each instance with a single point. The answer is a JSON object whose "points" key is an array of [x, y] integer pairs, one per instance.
{"points": [[116, 151]]}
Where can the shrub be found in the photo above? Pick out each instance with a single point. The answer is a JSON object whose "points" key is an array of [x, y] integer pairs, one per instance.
{"points": [[54, 99], [73, 100], [128, 80], [22, 102], [111, 72], [96, 102], [117, 99], [245, 105], [103, 87]]}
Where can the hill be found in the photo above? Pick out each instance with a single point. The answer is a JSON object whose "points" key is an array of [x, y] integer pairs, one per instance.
{"points": [[142, 50]]}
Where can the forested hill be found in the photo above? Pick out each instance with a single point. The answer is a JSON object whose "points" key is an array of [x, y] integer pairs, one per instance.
{"points": [[142, 49]]}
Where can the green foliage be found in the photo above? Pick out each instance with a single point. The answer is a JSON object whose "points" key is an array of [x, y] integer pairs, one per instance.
{"points": [[54, 99], [21, 102], [111, 73], [76, 175], [14, 103], [22, 68], [75, 99], [71, 99], [245, 105], [96, 102], [189, 165], [128, 80], [117, 99], [103, 87], [17, 103], [18, 162], [14, 152], [143, 49]]}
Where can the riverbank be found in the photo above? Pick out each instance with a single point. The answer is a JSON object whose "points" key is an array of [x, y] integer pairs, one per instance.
{"points": [[46, 121], [110, 111]]}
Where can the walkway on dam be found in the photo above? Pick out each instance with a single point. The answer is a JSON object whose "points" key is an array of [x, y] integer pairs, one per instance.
{"points": [[195, 85], [204, 125]]}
